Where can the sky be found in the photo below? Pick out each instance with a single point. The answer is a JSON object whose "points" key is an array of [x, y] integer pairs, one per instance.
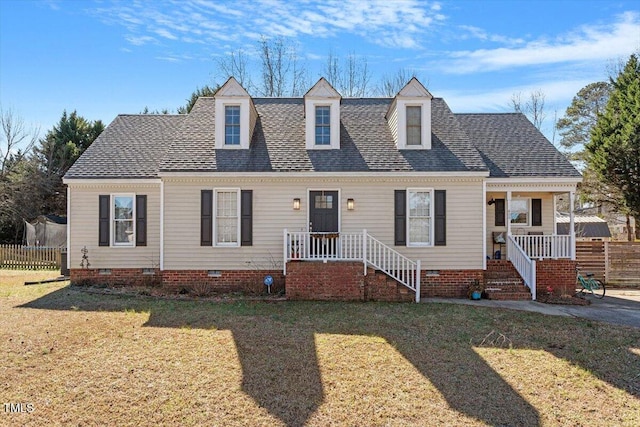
{"points": [[103, 58]]}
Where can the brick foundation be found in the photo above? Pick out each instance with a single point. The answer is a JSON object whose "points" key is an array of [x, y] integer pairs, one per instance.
{"points": [[557, 274], [339, 281], [194, 281], [115, 277], [245, 281], [448, 283]]}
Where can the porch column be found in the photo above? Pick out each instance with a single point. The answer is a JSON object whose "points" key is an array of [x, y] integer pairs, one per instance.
{"points": [[572, 227], [508, 221], [484, 225]]}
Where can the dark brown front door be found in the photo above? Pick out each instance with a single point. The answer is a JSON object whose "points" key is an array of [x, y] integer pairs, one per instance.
{"points": [[323, 211], [323, 218]]}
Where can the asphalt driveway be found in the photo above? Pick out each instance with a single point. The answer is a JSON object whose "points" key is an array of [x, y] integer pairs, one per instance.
{"points": [[619, 306]]}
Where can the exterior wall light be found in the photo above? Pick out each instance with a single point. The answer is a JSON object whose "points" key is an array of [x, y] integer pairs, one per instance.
{"points": [[296, 204], [350, 204]]}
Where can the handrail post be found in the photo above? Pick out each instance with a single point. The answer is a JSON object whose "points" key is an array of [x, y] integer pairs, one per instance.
{"points": [[364, 250], [533, 280], [284, 252], [418, 280]]}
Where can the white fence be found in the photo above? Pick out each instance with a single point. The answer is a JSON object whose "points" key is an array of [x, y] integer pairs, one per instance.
{"points": [[545, 246]]}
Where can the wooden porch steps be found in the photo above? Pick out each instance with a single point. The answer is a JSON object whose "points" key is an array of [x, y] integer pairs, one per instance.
{"points": [[502, 282]]}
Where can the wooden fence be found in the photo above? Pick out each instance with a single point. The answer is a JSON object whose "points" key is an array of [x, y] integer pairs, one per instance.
{"points": [[18, 257], [590, 257], [616, 263]]}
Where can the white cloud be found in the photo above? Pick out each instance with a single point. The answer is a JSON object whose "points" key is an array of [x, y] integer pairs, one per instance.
{"points": [[398, 23], [587, 43], [140, 40], [556, 91]]}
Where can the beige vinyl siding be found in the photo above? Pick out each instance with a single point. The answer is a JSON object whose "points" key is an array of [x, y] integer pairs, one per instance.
{"points": [[273, 212], [393, 122], [83, 218], [547, 216], [253, 118]]}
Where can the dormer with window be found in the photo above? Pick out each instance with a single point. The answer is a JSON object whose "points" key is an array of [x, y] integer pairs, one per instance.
{"points": [[409, 117], [235, 116], [322, 117]]}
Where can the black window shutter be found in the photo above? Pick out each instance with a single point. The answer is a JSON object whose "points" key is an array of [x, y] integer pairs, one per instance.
{"points": [[400, 218], [103, 220], [141, 220], [246, 217], [499, 205], [206, 218], [536, 212], [440, 218]]}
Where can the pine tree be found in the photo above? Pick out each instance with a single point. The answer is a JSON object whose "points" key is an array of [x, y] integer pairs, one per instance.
{"points": [[614, 150]]}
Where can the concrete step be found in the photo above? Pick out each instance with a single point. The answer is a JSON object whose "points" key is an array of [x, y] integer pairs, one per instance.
{"points": [[508, 296], [501, 283]]}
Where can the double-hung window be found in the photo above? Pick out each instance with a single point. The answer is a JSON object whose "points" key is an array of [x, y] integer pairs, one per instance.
{"points": [[123, 215], [227, 220], [232, 125], [414, 125], [519, 212], [420, 217], [323, 125]]}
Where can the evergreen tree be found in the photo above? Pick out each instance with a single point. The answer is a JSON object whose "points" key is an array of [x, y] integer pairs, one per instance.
{"points": [[614, 150]]}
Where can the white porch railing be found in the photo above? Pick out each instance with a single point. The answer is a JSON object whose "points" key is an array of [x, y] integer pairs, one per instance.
{"points": [[548, 246], [312, 246], [525, 266]]}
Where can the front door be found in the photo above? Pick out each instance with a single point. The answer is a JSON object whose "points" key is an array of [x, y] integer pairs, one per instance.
{"points": [[323, 218]]}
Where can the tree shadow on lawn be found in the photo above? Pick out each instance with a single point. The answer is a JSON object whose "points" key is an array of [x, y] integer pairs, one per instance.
{"points": [[435, 339]]}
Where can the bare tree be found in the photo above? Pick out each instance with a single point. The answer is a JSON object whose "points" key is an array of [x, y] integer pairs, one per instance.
{"points": [[533, 107], [391, 84], [332, 70], [350, 77], [356, 76], [17, 141], [235, 64]]}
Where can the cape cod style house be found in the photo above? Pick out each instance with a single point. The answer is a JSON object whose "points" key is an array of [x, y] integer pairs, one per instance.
{"points": [[334, 198]]}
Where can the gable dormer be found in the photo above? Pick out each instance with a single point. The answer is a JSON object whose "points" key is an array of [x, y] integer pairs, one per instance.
{"points": [[322, 117], [409, 117], [235, 116]]}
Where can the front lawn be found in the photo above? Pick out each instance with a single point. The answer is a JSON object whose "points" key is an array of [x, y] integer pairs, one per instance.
{"points": [[87, 359]]}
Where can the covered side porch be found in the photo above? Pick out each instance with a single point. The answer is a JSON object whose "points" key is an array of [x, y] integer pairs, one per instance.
{"points": [[521, 228]]}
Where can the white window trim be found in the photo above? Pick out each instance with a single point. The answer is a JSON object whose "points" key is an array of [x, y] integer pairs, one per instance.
{"points": [[425, 123], [310, 105], [431, 217], [215, 218], [516, 224], [112, 221], [245, 113], [239, 124], [315, 125]]}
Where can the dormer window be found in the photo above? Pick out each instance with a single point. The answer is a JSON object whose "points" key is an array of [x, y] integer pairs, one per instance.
{"points": [[409, 117], [414, 125], [323, 125], [235, 116], [322, 117], [232, 125]]}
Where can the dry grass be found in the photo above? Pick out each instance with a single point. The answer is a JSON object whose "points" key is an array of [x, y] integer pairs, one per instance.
{"points": [[87, 359]]}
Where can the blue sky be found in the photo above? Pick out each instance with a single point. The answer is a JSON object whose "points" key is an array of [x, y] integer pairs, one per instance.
{"points": [[105, 57]]}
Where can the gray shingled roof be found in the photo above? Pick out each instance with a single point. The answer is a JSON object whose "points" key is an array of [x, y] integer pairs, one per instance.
{"points": [[278, 143], [139, 146], [512, 147], [132, 146]]}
